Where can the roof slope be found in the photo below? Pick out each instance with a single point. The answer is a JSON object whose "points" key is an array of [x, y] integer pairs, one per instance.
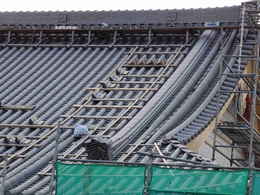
{"points": [[54, 79]]}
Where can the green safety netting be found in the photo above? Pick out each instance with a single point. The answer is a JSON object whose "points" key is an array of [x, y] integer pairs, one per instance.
{"points": [[256, 183], [99, 179], [200, 182], [96, 179]]}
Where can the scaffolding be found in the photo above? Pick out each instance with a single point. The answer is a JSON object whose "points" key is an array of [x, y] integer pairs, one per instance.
{"points": [[242, 132]]}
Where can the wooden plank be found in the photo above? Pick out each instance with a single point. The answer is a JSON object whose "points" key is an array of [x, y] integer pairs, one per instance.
{"points": [[78, 155], [96, 46], [117, 99], [45, 126], [8, 155], [144, 76], [10, 107], [136, 82], [17, 136], [147, 66], [32, 126], [125, 89], [97, 117], [141, 144], [106, 106], [45, 174], [155, 52], [18, 145]]}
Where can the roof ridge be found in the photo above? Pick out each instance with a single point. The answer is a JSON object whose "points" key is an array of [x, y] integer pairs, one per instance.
{"points": [[118, 10]]}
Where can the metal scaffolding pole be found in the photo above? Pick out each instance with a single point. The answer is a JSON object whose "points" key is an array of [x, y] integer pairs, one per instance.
{"points": [[242, 32], [253, 114], [55, 158]]}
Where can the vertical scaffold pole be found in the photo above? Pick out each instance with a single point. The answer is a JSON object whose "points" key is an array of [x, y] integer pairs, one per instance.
{"points": [[242, 29], [55, 158], [148, 174], [253, 113]]}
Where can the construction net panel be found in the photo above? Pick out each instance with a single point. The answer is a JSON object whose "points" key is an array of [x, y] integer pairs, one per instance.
{"points": [[200, 182], [96, 179], [99, 179], [256, 183]]}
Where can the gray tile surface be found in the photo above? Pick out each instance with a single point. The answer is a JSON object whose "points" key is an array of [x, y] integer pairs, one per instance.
{"points": [[54, 79]]}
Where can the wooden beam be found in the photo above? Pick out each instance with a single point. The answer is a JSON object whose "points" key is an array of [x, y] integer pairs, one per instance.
{"points": [[97, 117], [144, 76], [147, 66], [131, 30], [118, 99], [18, 145], [45, 126], [125, 89], [45, 174], [155, 52], [11, 107], [106, 106], [17, 136], [8, 155], [77, 155], [32, 126], [136, 82]]}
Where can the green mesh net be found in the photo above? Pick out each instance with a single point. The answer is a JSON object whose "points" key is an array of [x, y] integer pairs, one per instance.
{"points": [[96, 179], [99, 179]]}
